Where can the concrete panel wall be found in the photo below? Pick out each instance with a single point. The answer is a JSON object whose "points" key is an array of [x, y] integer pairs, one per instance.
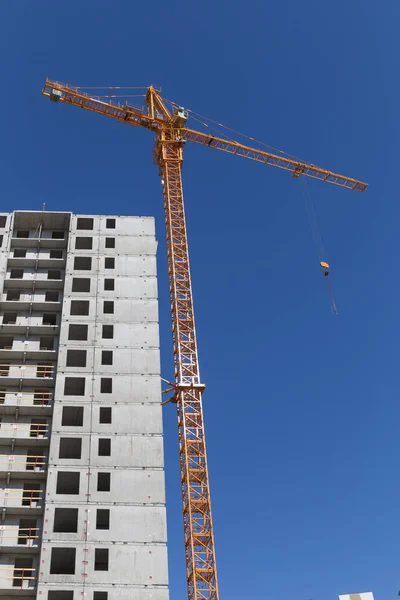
{"points": [[133, 418], [126, 388], [135, 495], [127, 486]]}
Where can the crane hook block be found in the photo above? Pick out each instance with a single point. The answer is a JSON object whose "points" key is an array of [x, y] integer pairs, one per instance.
{"points": [[325, 267]]}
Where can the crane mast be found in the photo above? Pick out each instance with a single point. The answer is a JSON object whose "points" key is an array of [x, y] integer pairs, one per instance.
{"points": [[201, 571], [171, 136]]}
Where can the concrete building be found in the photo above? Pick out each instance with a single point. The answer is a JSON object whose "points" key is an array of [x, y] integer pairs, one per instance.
{"points": [[82, 492]]}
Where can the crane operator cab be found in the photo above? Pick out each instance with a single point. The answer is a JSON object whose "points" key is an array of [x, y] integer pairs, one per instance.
{"points": [[325, 267], [180, 117]]}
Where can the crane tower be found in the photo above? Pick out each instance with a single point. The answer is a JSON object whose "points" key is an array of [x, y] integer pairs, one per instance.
{"points": [[171, 136]]}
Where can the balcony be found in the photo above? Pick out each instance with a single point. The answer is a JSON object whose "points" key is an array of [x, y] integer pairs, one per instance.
{"points": [[16, 349], [32, 327], [41, 262], [27, 302], [26, 432], [30, 353], [35, 402], [28, 499], [18, 577], [21, 539], [23, 466], [17, 323], [33, 282], [30, 374], [43, 242]]}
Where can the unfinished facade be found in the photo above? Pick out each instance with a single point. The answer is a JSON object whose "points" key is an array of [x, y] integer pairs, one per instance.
{"points": [[82, 491]]}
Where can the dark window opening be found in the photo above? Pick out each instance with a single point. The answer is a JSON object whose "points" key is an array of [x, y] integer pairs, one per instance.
{"points": [[105, 447], [102, 518], [3, 221], [23, 568], [108, 307], [6, 343], [41, 398], [83, 243], [53, 274], [109, 285], [2, 396], [76, 358], [110, 242], [9, 318], [78, 332], [56, 254], [82, 263], [19, 253], [70, 448], [108, 332], [100, 559], [110, 223], [51, 297], [74, 386], [106, 385], [100, 595], [62, 561], [57, 235], [80, 284], [13, 295], [107, 357], [67, 482], [72, 416], [60, 595], [16, 274], [65, 520], [49, 319], [84, 223], [105, 414], [43, 369], [109, 262], [46, 343], [22, 234], [31, 494], [27, 531], [79, 307], [4, 369], [34, 462], [38, 428], [103, 482]]}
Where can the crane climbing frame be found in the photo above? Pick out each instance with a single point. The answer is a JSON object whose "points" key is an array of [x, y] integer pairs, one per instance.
{"points": [[171, 137]]}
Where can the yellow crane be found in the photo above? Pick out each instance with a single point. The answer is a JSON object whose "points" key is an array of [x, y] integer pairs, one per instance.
{"points": [[171, 135]]}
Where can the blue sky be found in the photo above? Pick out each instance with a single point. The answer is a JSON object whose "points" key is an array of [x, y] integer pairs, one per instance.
{"points": [[301, 407]]}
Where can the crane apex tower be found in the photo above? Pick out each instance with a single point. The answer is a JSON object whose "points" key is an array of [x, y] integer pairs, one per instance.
{"points": [[81, 443]]}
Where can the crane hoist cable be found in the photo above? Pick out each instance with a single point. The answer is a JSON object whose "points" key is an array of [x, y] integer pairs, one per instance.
{"points": [[319, 245]]}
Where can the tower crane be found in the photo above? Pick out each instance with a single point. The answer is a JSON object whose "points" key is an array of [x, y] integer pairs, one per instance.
{"points": [[171, 135]]}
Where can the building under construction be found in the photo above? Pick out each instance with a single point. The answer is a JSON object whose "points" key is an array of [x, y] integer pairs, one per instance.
{"points": [[82, 479]]}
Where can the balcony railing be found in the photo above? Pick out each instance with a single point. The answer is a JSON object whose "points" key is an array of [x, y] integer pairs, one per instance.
{"points": [[21, 577], [18, 462], [26, 398], [26, 497], [27, 371], [21, 535], [35, 430]]}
